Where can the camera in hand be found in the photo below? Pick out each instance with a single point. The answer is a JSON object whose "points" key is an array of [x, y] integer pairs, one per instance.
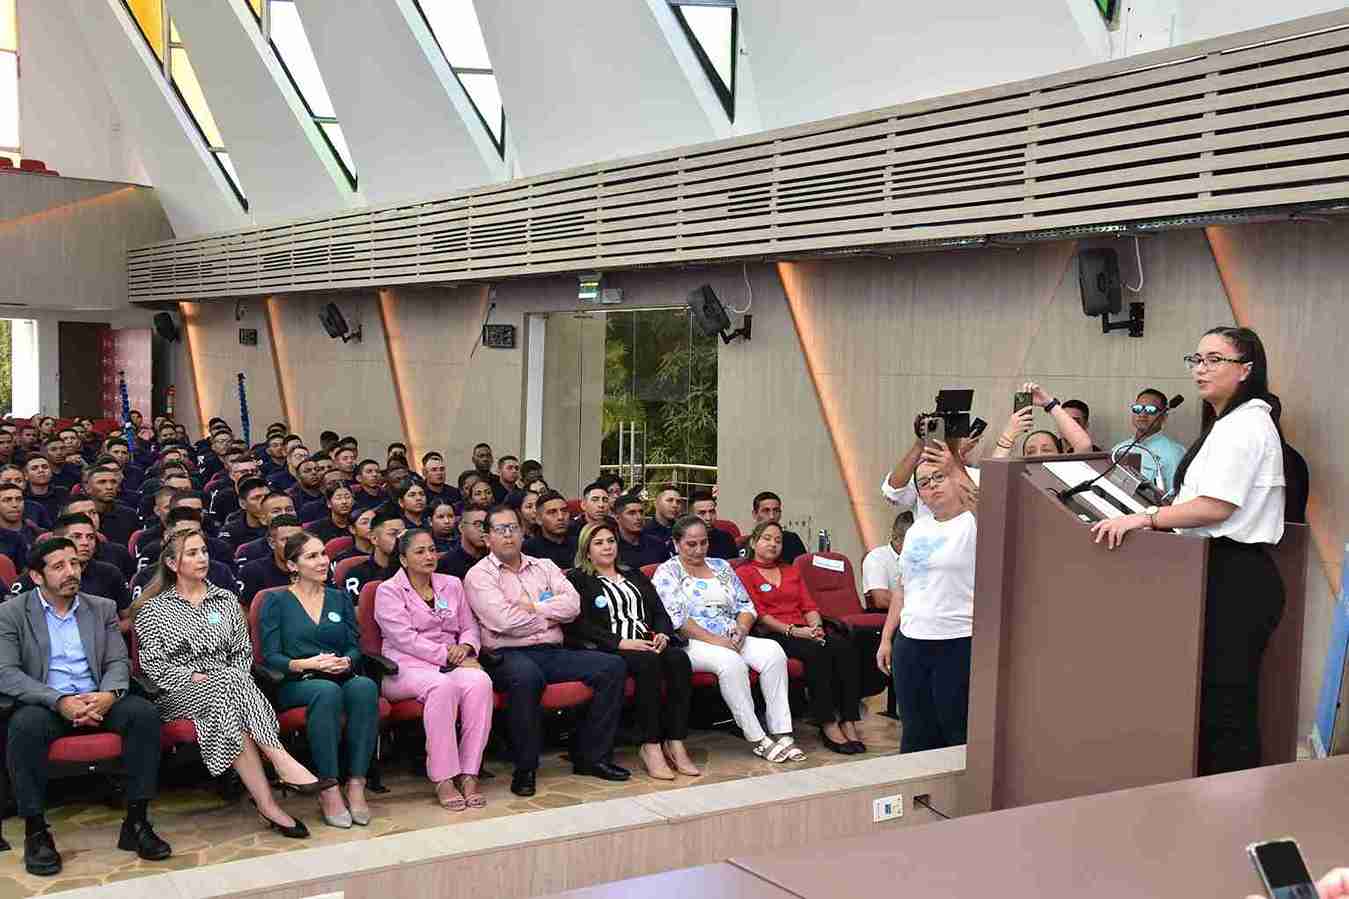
{"points": [[951, 419]]}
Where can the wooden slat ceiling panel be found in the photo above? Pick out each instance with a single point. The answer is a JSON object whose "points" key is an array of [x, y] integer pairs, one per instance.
{"points": [[1254, 120]]}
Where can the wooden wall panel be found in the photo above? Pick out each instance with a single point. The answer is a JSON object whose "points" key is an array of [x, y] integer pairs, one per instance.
{"points": [[213, 333], [345, 387]]}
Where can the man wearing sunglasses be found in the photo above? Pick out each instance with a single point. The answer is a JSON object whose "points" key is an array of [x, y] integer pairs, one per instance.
{"points": [[1160, 454]]}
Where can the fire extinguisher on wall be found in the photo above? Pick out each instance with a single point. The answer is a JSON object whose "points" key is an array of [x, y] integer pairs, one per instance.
{"points": [[169, 398]]}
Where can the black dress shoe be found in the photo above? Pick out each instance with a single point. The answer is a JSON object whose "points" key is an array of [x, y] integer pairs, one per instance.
{"points": [[844, 748], [522, 782], [602, 770], [40, 856], [139, 837]]}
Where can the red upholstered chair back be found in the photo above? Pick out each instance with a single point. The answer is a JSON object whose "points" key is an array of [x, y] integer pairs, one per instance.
{"points": [[260, 600], [342, 567], [372, 638], [134, 540], [573, 507], [650, 570], [730, 527], [7, 572], [829, 578], [338, 545]]}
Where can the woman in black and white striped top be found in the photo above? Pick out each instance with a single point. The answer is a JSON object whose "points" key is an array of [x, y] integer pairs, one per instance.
{"points": [[621, 612]]}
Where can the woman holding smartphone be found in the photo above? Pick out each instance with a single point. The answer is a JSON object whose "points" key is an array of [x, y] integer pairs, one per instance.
{"points": [[1231, 489]]}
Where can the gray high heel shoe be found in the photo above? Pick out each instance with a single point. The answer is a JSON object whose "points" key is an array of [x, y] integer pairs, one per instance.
{"points": [[361, 818], [342, 821]]}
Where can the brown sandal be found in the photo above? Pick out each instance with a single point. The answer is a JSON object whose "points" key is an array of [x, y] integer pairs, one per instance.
{"points": [[455, 804], [474, 799]]}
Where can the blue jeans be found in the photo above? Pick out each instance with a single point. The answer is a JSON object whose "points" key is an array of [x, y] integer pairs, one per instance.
{"points": [[524, 672], [932, 691]]}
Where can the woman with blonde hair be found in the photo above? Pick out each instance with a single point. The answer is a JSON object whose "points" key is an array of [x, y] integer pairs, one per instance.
{"points": [[194, 645], [622, 613]]}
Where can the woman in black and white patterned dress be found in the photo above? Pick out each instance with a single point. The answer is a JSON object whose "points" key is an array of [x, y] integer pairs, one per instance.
{"points": [[194, 645]]}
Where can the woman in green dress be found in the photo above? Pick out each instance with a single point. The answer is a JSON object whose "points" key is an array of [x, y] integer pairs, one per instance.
{"points": [[309, 632]]}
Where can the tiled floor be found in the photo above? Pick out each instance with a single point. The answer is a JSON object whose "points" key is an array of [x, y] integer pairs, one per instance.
{"points": [[205, 830]]}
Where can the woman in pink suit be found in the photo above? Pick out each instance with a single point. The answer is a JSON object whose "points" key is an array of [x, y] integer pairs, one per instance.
{"points": [[430, 631]]}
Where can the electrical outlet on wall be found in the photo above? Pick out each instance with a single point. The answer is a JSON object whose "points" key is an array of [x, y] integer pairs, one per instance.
{"points": [[887, 808]]}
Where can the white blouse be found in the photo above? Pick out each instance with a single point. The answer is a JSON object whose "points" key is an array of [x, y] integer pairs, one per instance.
{"points": [[1241, 463]]}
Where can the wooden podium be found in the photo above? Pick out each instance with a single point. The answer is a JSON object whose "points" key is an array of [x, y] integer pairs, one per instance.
{"points": [[1086, 661]]}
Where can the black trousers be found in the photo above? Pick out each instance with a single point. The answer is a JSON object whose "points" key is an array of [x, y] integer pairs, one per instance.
{"points": [[932, 691], [660, 714], [33, 729], [524, 672], [833, 676], [1242, 606]]}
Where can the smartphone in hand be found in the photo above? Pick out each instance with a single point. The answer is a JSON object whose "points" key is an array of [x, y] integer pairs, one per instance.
{"points": [[1020, 400]]}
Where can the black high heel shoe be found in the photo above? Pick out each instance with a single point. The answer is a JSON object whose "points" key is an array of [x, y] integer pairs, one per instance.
{"points": [[844, 748], [296, 832], [309, 789]]}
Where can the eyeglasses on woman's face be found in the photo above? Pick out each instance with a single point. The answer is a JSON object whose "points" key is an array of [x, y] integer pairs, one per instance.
{"points": [[933, 480], [1195, 361]]}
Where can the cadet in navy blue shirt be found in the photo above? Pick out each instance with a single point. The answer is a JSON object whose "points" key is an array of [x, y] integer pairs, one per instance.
{"points": [[96, 578], [387, 527], [636, 547], [472, 545], [368, 491], [553, 542], [270, 570], [248, 523], [720, 544], [768, 508]]}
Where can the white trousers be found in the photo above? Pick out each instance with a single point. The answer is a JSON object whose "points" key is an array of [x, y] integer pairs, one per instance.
{"points": [[732, 671]]}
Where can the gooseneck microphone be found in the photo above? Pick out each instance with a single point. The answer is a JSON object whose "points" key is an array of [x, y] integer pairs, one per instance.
{"points": [[1156, 426]]}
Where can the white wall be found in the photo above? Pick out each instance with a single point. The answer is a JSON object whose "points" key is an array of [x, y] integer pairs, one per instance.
{"points": [[67, 117]]}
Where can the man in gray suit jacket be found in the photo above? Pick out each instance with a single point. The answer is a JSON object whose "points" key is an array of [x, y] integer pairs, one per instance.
{"points": [[64, 665]]}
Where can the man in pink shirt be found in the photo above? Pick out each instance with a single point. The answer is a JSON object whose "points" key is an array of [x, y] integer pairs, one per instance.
{"points": [[521, 604]]}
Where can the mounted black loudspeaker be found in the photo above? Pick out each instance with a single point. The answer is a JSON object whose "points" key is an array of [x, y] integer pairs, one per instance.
{"points": [[335, 323], [165, 327], [709, 316], [1098, 276]]}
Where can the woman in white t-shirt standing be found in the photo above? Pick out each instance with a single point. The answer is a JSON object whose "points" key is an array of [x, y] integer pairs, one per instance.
{"points": [[925, 645], [1231, 490]]}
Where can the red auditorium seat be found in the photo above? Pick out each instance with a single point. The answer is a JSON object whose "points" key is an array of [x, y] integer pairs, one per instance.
{"points": [[730, 527], [6, 163], [180, 731], [7, 572], [573, 507], [835, 590], [338, 545]]}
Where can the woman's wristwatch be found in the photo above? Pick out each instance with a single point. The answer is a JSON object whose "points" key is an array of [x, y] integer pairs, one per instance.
{"points": [[1151, 513], [1049, 406]]}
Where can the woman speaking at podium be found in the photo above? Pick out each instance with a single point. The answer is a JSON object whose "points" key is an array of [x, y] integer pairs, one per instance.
{"points": [[1231, 490]]}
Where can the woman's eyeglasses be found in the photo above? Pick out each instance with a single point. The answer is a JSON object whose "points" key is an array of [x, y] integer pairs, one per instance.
{"points": [[1212, 360], [1145, 408], [933, 480]]}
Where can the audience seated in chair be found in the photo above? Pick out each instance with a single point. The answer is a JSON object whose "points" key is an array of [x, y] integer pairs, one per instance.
{"points": [[720, 544], [595, 506], [274, 506], [368, 491], [410, 499], [96, 578], [521, 603], [636, 547], [386, 527], [337, 522], [554, 541], [443, 524], [309, 633], [271, 570], [194, 645], [37, 471], [482, 466], [308, 486], [669, 505], [880, 567], [788, 615], [64, 664], [767, 507], [184, 521], [471, 546], [16, 537], [621, 613], [249, 522], [709, 607], [431, 634], [433, 480]]}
